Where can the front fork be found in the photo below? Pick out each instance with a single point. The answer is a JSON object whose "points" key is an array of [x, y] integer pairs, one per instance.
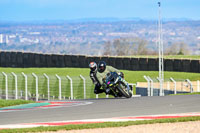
{"points": [[125, 83]]}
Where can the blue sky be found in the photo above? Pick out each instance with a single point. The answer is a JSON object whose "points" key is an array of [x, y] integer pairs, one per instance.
{"points": [[31, 10]]}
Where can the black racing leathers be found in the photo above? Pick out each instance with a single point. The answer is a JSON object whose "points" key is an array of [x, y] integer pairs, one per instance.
{"points": [[95, 81], [93, 77]]}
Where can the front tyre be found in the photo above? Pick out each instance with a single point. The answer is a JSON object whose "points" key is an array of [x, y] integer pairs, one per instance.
{"points": [[124, 91]]}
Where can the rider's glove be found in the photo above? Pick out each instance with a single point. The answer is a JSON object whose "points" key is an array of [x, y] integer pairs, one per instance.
{"points": [[121, 74]]}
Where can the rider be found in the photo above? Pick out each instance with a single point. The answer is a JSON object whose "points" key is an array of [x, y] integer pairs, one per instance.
{"points": [[93, 72], [103, 70]]}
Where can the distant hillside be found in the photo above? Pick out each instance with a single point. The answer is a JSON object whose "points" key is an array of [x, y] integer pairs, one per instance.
{"points": [[90, 36]]}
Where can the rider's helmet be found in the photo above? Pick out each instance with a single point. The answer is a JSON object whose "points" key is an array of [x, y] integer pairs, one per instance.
{"points": [[101, 66], [93, 66]]}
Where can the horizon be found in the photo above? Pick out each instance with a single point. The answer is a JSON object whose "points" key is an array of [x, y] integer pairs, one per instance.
{"points": [[69, 10], [106, 19]]}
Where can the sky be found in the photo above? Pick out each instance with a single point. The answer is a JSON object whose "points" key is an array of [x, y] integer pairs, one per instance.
{"points": [[39, 10]]}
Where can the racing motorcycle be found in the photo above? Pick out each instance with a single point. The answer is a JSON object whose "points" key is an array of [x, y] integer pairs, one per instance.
{"points": [[117, 85]]}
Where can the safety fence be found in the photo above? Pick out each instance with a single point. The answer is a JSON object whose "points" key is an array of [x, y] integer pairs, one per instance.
{"points": [[42, 86], [26, 60], [33, 86], [170, 86]]}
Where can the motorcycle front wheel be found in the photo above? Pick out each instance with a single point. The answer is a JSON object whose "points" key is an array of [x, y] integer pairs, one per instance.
{"points": [[124, 91]]}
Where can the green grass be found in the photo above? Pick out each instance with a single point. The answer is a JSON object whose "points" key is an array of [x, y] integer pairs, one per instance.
{"points": [[196, 57], [6, 103], [183, 57], [101, 125], [194, 93], [130, 76]]}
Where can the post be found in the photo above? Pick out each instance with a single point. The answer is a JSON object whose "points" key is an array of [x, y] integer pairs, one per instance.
{"points": [[16, 88], [190, 83], [151, 85], [198, 87], [161, 53], [71, 85], [48, 88], [36, 85], [161, 89], [174, 84], [60, 89], [84, 86], [26, 86], [148, 89], [6, 84]]}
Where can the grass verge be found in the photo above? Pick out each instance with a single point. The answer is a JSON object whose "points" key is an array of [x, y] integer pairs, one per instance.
{"points": [[192, 57], [6, 103], [130, 76], [195, 93], [101, 125]]}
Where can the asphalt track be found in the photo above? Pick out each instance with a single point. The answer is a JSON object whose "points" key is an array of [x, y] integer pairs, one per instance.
{"points": [[106, 108]]}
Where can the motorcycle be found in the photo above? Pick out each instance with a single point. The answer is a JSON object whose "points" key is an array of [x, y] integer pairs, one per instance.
{"points": [[117, 85]]}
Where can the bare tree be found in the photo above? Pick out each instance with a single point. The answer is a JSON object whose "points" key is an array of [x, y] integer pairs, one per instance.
{"points": [[142, 47], [126, 46], [107, 48], [179, 48]]}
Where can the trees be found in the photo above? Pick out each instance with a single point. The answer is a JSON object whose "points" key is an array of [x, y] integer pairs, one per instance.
{"points": [[178, 48], [107, 48], [126, 46]]}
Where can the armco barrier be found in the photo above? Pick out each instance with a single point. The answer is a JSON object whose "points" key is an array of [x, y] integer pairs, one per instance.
{"points": [[177, 65], [134, 64], [195, 66], [82, 61], [106, 59], [13, 59], [67, 60], [119, 63], [74, 60], [152, 64], [185, 65], [23, 60], [127, 63], [20, 62], [168, 64], [143, 64], [112, 61], [3, 59]]}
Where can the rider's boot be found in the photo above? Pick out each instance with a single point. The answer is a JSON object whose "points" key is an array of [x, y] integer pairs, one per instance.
{"points": [[107, 91]]}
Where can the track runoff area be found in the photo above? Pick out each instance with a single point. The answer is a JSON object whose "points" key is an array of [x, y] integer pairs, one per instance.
{"points": [[56, 113]]}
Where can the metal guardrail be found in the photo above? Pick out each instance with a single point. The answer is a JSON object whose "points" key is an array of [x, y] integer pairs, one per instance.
{"points": [[48, 86], [32, 86], [16, 87], [6, 84], [71, 86], [174, 84], [26, 86], [84, 86], [190, 84], [148, 82], [36, 86], [60, 87], [150, 85]]}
